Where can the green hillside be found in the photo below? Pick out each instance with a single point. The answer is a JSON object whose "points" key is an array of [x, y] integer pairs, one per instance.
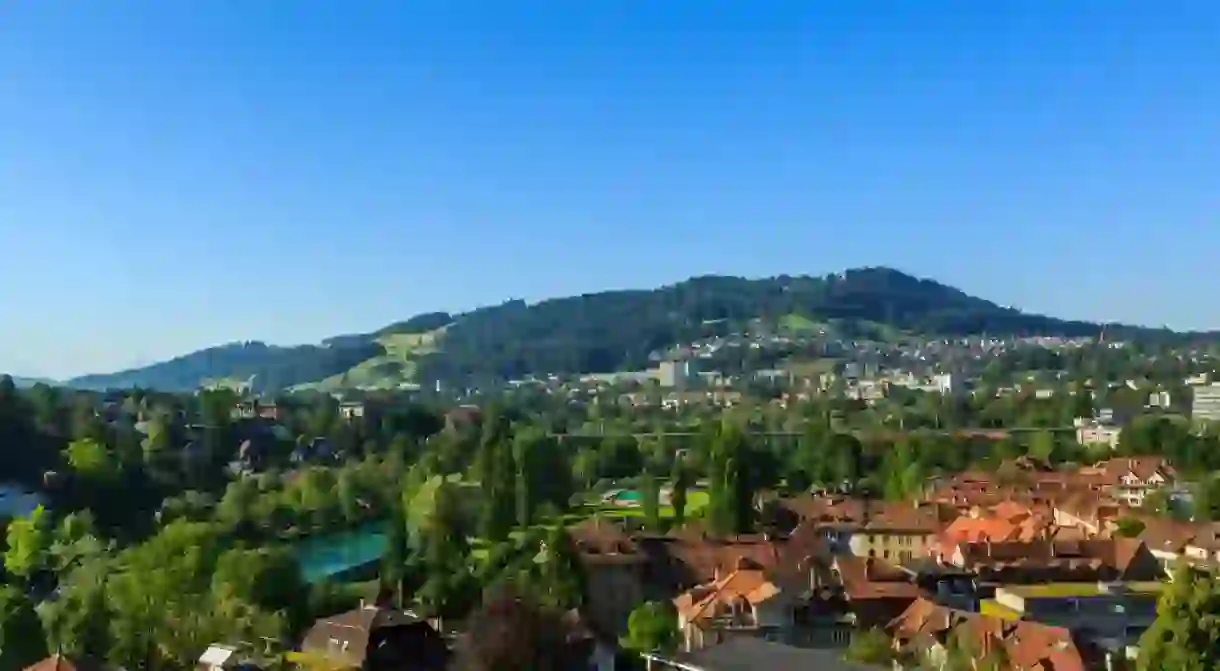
{"points": [[612, 331], [397, 366], [800, 325]]}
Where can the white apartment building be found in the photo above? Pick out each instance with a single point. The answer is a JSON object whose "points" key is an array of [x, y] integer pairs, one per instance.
{"points": [[1206, 403]]}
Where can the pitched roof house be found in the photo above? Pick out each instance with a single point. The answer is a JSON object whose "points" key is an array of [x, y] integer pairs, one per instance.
{"points": [[58, 662], [928, 631], [1017, 562], [1007, 521], [1129, 479], [743, 602], [374, 638]]}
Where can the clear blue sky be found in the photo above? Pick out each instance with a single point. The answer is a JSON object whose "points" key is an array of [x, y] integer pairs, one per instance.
{"points": [[175, 175]]}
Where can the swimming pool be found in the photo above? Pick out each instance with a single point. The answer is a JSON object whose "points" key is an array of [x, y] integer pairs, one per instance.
{"points": [[330, 555]]}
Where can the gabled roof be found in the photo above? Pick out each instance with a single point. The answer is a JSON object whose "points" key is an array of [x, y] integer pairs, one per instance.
{"points": [[596, 539], [352, 631], [926, 518], [870, 578], [749, 585], [58, 662], [1047, 559], [705, 559], [1166, 535], [1141, 467], [1027, 645]]}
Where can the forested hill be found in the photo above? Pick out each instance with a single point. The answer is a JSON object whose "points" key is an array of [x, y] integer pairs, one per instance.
{"points": [[270, 367], [617, 330]]}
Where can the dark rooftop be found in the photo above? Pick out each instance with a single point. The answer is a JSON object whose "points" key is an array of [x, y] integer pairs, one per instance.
{"points": [[756, 654]]}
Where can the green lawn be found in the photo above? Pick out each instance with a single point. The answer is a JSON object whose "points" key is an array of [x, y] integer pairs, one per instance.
{"points": [[387, 371], [799, 324], [1077, 589]]}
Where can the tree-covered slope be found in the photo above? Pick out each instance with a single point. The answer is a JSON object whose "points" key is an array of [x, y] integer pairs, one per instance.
{"points": [[271, 367], [616, 330]]}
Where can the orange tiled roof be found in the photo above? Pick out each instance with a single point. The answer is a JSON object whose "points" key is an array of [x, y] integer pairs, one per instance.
{"points": [[1027, 645], [872, 578], [1142, 467], [597, 539], [744, 584], [60, 663], [1016, 561]]}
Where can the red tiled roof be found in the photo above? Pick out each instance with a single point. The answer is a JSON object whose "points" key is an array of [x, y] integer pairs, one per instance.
{"points": [[873, 579], [603, 540], [1142, 467], [748, 584], [1027, 645], [1038, 560], [60, 663]]}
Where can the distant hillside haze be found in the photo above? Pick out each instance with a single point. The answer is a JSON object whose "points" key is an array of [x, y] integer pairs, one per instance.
{"points": [[603, 332], [271, 367], [30, 381]]}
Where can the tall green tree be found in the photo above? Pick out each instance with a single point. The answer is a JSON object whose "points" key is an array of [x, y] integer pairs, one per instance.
{"points": [[562, 577], [1185, 635], [845, 455], [76, 620], [650, 501], [543, 473], [22, 642], [450, 589], [652, 627], [677, 496], [498, 477], [1206, 498], [394, 562], [90, 460], [870, 646], [902, 472], [1042, 445], [29, 540], [731, 491]]}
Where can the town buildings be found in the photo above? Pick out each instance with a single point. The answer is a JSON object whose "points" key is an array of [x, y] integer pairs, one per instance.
{"points": [[1025, 563]]}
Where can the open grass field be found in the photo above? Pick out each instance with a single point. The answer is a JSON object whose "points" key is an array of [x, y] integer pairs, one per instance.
{"points": [[388, 371], [800, 325]]}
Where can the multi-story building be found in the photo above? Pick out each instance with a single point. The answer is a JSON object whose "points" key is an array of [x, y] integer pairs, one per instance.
{"points": [[1206, 403], [900, 532], [675, 374]]}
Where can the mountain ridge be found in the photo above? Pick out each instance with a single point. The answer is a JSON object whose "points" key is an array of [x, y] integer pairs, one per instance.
{"points": [[608, 330]]}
